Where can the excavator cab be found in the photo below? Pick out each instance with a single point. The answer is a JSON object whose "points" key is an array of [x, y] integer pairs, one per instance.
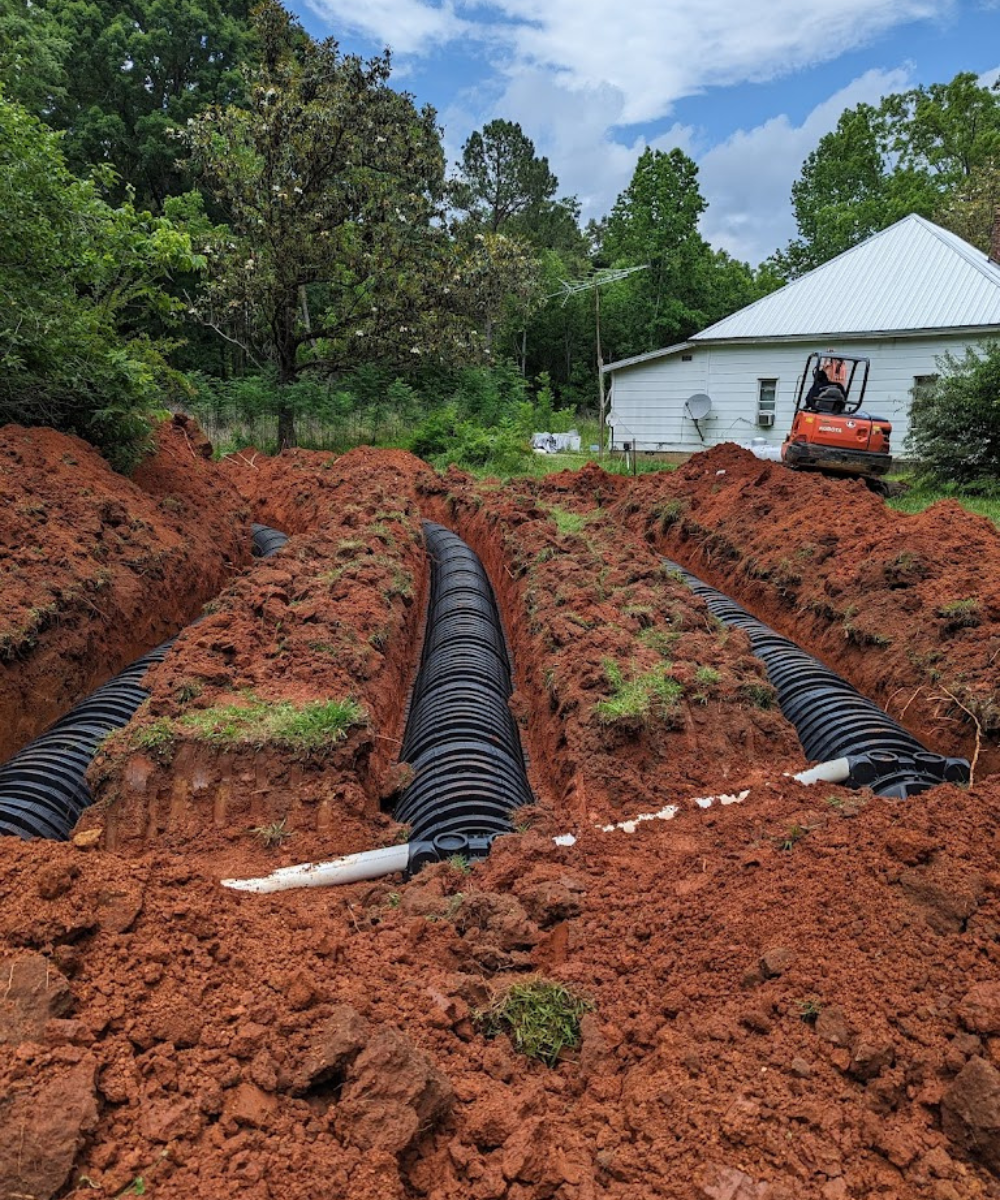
{"points": [[830, 431]]}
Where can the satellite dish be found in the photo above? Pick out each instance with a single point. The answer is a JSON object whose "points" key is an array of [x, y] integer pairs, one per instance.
{"points": [[612, 417], [698, 406]]}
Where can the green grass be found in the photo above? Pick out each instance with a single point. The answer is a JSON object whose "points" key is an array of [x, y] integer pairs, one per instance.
{"points": [[639, 697], [259, 723], [568, 522], [274, 834], [541, 1018], [918, 498], [156, 736]]}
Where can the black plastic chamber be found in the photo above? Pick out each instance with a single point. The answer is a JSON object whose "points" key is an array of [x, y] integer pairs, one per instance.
{"points": [[461, 739], [833, 719], [43, 788]]}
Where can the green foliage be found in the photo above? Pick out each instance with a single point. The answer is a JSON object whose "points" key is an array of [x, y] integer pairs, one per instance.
{"points": [[955, 423], [309, 727], [346, 176], [541, 1018], [930, 150], [640, 697], [501, 176], [76, 278], [117, 80]]}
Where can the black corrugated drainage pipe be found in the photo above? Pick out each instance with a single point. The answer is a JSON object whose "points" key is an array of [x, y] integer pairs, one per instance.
{"points": [[461, 739], [43, 788], [832, 718]]}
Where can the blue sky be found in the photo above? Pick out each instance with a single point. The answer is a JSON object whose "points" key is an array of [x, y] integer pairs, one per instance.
{"points": [[746, 87]]}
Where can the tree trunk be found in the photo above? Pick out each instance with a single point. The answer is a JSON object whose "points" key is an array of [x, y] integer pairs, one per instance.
{"points": [[287, 353], [286, 427]]}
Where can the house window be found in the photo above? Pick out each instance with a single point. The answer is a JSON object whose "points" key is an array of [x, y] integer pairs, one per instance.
{"points": [[767, 394], [922, 384], [686, 357]]}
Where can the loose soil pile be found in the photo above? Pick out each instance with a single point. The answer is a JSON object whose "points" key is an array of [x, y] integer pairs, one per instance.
{"points": [[905, 606], [793, 991], [96, 569]]}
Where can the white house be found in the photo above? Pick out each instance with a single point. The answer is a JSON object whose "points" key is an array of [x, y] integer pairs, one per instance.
{"points": [[901, 299]]}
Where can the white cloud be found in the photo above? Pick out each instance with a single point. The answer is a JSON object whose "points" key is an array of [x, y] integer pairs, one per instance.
{"points": [[651, 52], [407, 26], [573, 127], [747, 179]]}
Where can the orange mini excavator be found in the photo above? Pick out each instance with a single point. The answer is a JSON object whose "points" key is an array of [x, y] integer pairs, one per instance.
{"points": [[830, 432]]}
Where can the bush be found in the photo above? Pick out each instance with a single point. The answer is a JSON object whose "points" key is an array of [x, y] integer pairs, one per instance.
{"points": [[955, 423], [78, 281]]}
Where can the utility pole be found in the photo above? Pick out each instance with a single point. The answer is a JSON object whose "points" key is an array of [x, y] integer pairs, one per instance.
{"points": [[596, 282]]}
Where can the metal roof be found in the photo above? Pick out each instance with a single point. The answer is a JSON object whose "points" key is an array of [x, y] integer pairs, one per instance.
{"points": [[912, 276]]}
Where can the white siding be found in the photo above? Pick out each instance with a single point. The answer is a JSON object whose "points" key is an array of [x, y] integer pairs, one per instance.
{"points": [[648, 398]]}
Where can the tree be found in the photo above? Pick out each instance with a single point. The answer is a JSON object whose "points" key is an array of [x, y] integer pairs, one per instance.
{"points": [[33, 53], [119, 79], [501, 176], [911, 154], [972, 209], [955, 423], [655, 222], [330, 183], [77, 280]]}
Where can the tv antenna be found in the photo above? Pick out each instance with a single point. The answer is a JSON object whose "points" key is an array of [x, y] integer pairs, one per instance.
{"points": [[594, 283]]}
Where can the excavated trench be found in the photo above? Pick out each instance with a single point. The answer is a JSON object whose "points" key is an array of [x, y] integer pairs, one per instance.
{"points": [[461, 741], [832, 718], [43, 788], [219, 1042]]}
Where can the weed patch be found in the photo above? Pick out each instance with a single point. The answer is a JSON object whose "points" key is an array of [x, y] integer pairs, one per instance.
{"points": [[638, 698], [542, 1018], [258, 723]]}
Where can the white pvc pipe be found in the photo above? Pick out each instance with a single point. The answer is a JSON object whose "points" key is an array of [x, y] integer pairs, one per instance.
{"points": [[373, 864], [834, 771], [350, 868]]}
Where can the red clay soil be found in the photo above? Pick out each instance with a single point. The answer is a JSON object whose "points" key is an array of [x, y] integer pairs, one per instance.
{"points": [[334, 616], [905, 606], [792, 1001], [793, 995], [586, 606], [97, 569]]}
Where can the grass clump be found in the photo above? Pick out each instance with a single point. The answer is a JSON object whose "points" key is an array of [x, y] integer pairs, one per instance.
{"points": [[638, 698], [274, 834], [541, 1018], [759, 694], [960, 614], [294, 727], [809, 1010], [155, 737], [568, 522]]}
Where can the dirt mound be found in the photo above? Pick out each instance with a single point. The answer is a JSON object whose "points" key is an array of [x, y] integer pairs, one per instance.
{"points": [[802, 1005], [96, 570], [905, 606], [332, 619], [793, 991], [298, 490]]}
